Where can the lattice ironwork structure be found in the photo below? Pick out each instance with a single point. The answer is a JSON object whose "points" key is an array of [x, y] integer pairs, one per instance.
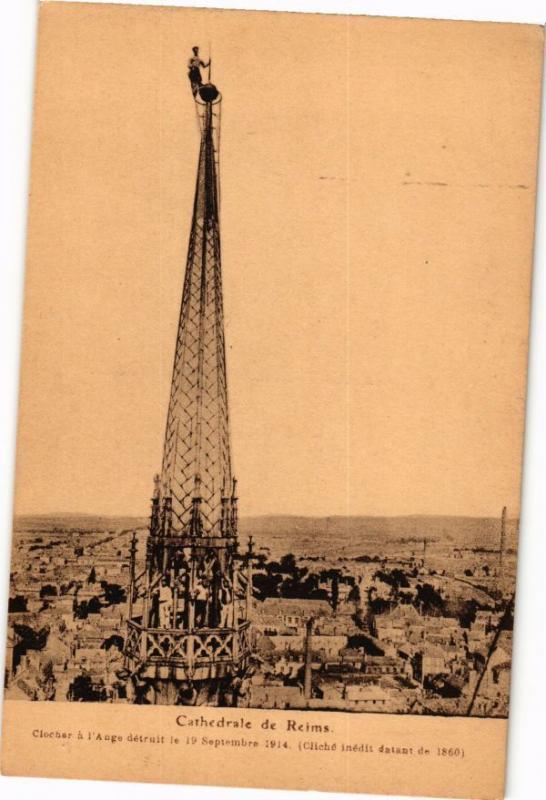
{"points": [[188, 623]]}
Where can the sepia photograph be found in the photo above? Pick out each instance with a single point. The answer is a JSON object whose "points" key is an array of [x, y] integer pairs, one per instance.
{"points": [[398, 613], [274, 364]]}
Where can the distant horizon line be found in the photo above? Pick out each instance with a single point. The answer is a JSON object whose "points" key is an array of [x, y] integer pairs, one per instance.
{"points": [[88, 514]]}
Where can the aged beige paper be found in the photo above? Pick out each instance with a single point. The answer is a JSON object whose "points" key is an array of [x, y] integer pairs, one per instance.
{"points": [[272, 399]]}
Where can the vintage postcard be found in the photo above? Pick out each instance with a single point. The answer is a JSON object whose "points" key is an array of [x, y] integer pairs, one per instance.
{"points": [[272, 399]]}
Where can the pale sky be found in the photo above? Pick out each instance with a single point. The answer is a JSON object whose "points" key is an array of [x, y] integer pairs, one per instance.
{"points": [[377, 212]]}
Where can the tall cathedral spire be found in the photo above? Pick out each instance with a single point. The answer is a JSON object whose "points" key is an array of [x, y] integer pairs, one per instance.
{"points": [[188, 627], [196, 474]]}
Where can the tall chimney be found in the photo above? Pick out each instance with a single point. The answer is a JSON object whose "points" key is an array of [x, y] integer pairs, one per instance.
{"points": [[502, 543], [307, 684]]}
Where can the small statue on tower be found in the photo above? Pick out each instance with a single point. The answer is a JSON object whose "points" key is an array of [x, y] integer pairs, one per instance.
{"points": [[194, 70]]}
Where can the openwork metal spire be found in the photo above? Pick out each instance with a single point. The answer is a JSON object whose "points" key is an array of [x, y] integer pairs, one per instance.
{"points": [[188, 628], [196, 474]]}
